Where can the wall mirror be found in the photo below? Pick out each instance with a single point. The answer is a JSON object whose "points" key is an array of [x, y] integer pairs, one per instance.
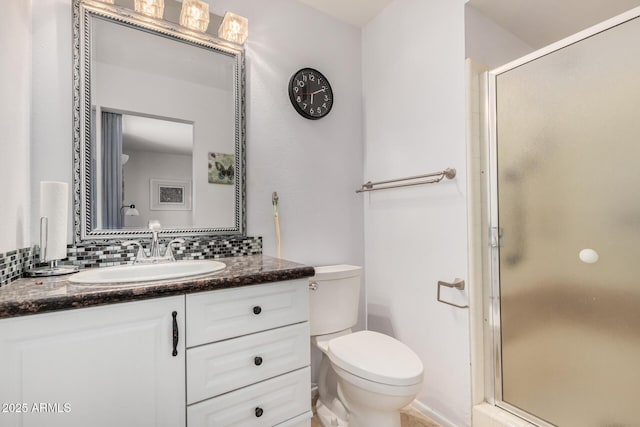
{"points": [[159, 130]]}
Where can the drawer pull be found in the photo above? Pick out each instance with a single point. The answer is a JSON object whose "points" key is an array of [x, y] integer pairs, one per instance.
{"points": [[175, 334], [257, 310], [257, 360], [259, 412]]}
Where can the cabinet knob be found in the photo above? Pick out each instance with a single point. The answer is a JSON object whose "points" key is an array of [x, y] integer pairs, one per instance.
{"points": [[257, 360], [259, 412], [257, 310]]}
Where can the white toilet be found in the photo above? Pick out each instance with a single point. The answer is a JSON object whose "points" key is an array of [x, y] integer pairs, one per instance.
{"points": [[365, 377]]}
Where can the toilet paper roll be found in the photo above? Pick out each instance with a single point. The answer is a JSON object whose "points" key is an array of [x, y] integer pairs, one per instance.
{"points": [[54, 205]]}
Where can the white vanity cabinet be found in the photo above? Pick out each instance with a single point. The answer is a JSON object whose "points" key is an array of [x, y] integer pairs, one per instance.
{"points": [[105, 366], [127, 364], [248, 356]]}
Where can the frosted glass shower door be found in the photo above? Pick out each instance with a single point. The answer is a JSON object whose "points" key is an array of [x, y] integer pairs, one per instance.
{"points": [[568, 171]]}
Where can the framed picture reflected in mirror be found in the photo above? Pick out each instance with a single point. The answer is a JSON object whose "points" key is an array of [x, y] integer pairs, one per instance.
{"points": [[169, 195]]}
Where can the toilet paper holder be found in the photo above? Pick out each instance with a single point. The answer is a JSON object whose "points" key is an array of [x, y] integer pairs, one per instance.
{"points": [[457, 284]]}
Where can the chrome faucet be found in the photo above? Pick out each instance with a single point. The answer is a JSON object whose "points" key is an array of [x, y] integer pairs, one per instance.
{"points": [[155, 256], [154, 250]]}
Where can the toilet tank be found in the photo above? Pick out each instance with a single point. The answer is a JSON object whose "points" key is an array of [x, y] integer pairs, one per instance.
{"points": [[333, 305]]}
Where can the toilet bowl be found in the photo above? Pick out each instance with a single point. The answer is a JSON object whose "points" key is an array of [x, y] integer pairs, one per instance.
{"points": [[365, 377]]}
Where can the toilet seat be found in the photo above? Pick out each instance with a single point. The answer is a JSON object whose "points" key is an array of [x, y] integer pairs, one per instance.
{"points": [[376, 357]]}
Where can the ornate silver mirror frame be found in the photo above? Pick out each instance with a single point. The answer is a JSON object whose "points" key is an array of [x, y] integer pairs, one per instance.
{"points": [[83, 11]]}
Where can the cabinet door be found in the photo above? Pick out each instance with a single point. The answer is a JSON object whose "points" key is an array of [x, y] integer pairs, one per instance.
{"points": [[102, 367]]}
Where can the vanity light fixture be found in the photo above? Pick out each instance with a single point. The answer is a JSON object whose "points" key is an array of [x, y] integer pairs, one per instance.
{"points": [[152, 8], [195, 15], [107, 1], [234, 28], [131, 210]]}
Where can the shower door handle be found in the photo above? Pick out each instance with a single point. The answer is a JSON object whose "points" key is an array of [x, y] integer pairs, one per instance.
{"points": [[457, 284], [495, 237]]}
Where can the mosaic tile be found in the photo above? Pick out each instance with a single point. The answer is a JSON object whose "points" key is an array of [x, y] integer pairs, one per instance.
{"points": [[14, 263]]}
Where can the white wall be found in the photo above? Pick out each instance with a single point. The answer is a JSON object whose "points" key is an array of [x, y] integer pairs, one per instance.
{"points": [[414, 123], [314, 165], [489, 43], [51, 119], [15, 111]]}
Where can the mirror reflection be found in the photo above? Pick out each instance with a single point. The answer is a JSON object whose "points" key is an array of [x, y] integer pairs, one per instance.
{"points": [[163, 131], [146, 149]]}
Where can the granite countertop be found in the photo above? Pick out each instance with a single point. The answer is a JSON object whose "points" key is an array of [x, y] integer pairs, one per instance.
{"points": [[39, 295]]}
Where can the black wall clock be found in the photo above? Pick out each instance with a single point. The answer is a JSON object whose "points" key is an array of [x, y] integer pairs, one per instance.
{"points": [[310, 93]]}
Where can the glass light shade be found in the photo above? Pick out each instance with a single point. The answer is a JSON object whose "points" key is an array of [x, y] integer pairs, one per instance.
{"points": [[152, 8], [131, 212], [195, 15], [107, 1], [234, 28]]}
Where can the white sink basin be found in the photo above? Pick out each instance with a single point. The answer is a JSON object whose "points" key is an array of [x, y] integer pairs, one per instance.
{"points": [[146, 272]]}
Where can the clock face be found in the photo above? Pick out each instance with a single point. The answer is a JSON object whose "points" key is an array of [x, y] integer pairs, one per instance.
{"points": [[310, 93]]}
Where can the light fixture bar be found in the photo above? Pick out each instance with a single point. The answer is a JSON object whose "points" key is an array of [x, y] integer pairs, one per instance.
{"points": [[234, 28], [195, 15], [152, 8]]}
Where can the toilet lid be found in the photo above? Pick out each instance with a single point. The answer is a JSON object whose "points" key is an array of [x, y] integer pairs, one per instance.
{"points": [[376, 357]]}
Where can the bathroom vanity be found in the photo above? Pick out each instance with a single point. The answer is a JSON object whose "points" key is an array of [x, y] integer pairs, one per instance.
{"points": [[227, 349]]}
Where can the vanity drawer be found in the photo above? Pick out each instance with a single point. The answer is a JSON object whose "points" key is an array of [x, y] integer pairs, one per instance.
{"points": [[224, 366], [303, 420], [264, 404], [227, 313]]}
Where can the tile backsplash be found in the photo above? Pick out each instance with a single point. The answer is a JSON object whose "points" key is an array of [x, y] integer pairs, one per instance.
{"points": [[14, 263]]}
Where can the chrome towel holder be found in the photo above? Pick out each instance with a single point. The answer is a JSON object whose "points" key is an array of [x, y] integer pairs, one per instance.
{"points": [[448, 173], [457, 284]]}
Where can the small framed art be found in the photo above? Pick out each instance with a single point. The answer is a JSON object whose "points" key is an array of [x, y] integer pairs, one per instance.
{"points": [[170, 195]]}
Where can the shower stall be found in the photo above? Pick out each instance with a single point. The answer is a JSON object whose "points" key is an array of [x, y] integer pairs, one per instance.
{"points": [[564, 216]]}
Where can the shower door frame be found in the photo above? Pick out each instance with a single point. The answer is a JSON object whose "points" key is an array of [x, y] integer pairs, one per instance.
{"points": [[491, 258]]}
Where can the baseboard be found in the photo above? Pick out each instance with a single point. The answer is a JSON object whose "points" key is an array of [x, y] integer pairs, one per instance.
{"points": [[430, 413]]}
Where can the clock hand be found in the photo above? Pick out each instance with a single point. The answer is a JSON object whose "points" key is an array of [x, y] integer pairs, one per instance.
{"points": [[313, 93]]}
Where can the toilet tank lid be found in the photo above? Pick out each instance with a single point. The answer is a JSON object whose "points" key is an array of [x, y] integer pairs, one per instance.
{"points": [[376, 357], [332, 272]]}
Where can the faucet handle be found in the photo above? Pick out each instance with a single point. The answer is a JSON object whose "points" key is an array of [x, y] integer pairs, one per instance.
{"points": [[168, 255], [131, 243], [140, 254]]}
